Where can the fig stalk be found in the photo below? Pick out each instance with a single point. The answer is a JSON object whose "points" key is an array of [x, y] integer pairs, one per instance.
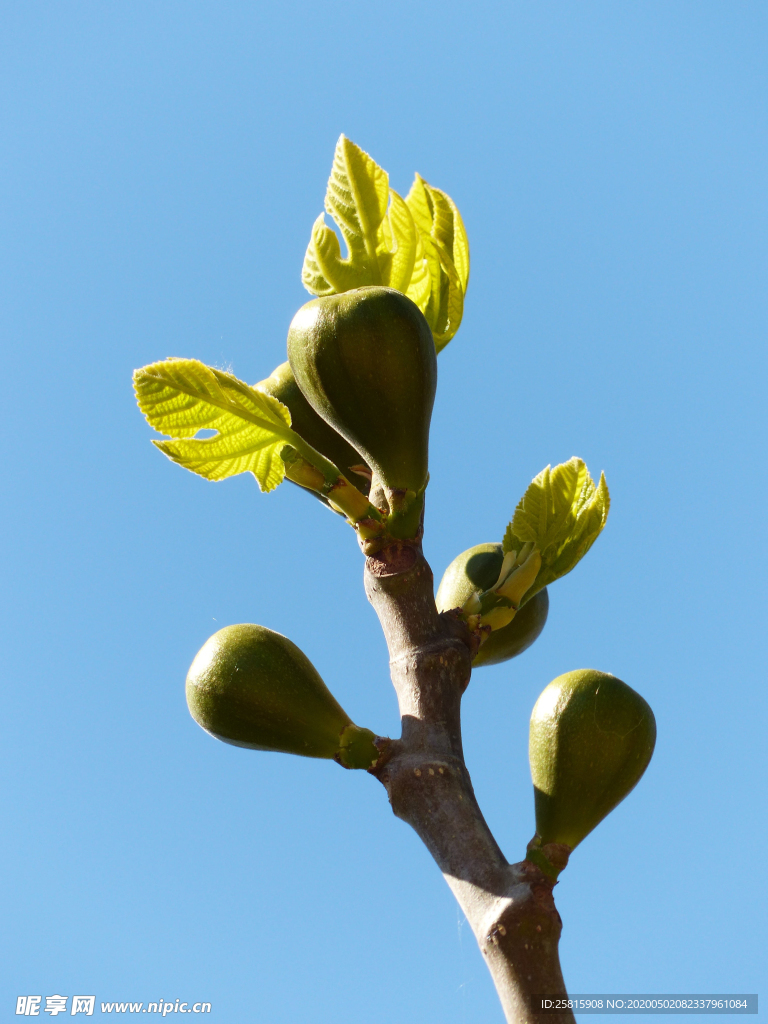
{"points": [[509, 906], [341, 495]]}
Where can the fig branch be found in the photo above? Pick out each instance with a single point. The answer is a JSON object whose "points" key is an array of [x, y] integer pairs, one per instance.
{"points": [[354, 401], [509, 906]]}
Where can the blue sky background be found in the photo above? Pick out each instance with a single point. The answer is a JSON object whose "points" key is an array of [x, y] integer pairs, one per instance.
{"points": [[163, 164]]}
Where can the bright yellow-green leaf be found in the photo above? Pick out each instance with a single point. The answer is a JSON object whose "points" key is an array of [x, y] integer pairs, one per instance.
{"points": [[180, 397], [420, 287], [324, 271], [446, 252], [396, 252], [357, 198], [459, 240], [561, 513], [417, 245], [437, 215], [419, 205]]}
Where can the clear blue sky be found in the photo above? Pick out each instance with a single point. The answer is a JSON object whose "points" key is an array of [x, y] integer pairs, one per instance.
{"points": [[163, 163]]}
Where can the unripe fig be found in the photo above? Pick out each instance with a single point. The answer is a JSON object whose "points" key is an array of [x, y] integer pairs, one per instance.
{"points": [[255, 688], [591, 739], [477, 569], [281, 384], [365, 361]]}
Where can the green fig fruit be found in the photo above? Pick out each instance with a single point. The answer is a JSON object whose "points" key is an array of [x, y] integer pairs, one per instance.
{"points": [[365, 361], [281, 384], [255, 688], [591, 739], [477, 569]]}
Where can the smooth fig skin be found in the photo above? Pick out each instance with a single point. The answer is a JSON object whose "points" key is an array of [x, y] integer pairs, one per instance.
{"points": [[281, 384], [365, 361], [591, 739], [477, 569], [255, 688]]}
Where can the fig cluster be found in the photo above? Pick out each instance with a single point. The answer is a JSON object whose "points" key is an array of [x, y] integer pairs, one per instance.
{"points": [[360, 385]]}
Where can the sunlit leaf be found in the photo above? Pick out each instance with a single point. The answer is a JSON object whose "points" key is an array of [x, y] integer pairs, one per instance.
{"points": [[417, 245], [357, 196], [357, 199], [562, 514], [459, 240], [399, 240], [446, 252], [181, 397], [420, 286], [325, 272]]}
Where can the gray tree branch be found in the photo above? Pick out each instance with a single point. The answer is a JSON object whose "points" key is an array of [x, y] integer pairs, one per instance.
{"points": [[509, 906]]}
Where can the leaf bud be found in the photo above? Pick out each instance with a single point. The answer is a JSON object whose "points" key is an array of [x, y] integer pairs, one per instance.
{"points": [[521, 579], [475, 571]]}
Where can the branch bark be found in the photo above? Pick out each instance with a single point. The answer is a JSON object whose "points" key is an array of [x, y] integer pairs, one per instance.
{"points": [[510, 907]]}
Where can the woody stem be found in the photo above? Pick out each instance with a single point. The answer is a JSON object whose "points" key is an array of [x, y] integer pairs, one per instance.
{"points": [[509, 906]]}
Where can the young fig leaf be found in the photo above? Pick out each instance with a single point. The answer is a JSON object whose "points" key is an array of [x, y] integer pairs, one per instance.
{"points": [[446, 254], [180, 397], [398, 244], [416, 245], [560, 516], [357, 198], [254, 688], [591, 739]]}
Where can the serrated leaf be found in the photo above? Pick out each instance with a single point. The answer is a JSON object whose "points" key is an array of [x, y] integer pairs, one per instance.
{"points": [[325, 272], [420, 285], [460, 246], [448, 231], [357, 198], [180, 397], [396, 251], [417, 245], [562, 513], [446, 252]]}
